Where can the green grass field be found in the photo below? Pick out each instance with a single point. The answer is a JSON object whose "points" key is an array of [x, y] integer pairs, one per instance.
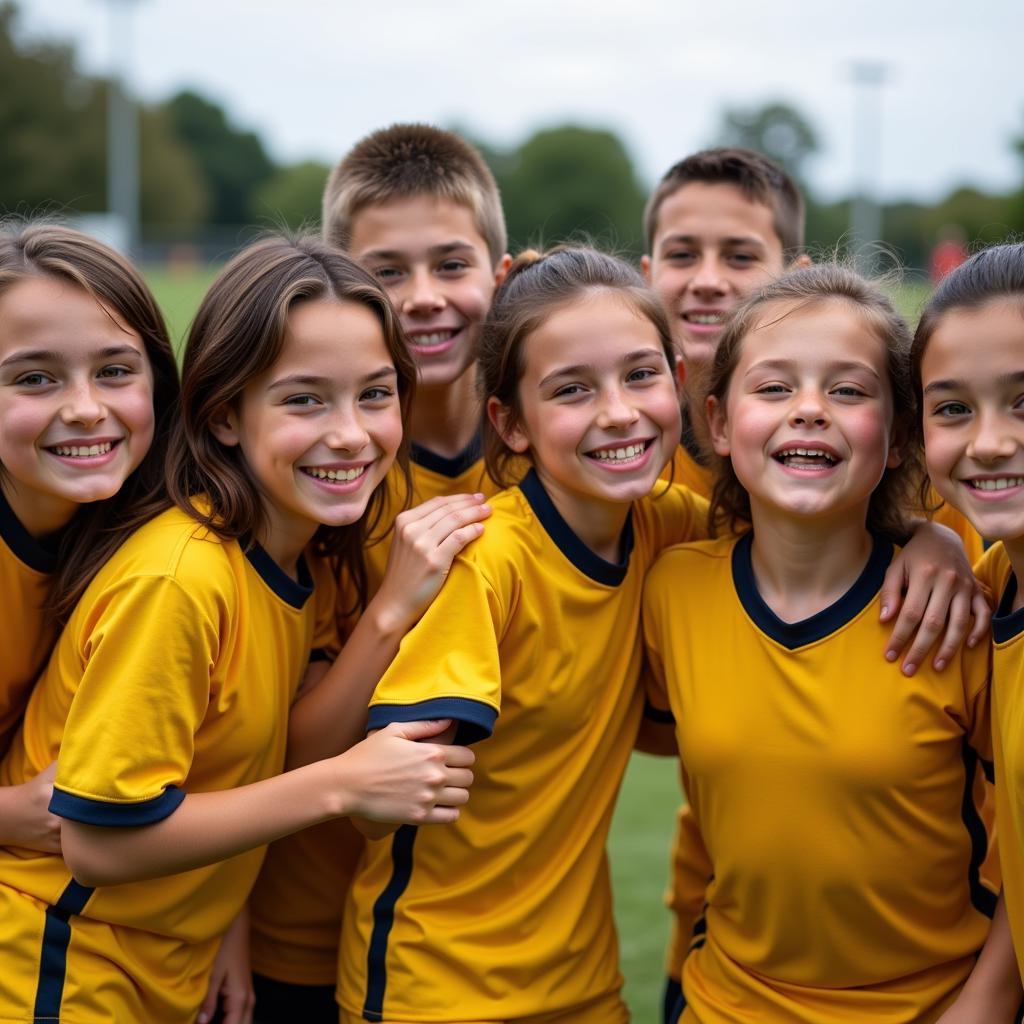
{"points": [[644, 821]]}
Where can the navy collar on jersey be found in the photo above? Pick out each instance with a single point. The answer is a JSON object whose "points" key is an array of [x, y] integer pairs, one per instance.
{"points": [[40, 555], [1006, 623], [444, 466], [588, 562], [797, 634], [293, 592]]}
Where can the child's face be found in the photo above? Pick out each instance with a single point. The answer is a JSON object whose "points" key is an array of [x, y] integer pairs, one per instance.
{"points": [[807, 419], [972, 377], [76, 399], [599, 406], [320, 428], [433, 262], [712, 245]]}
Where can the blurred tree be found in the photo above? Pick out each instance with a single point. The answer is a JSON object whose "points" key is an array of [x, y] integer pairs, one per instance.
{"points": [[567, 182], [292, 197], [776, 129], [171, 188], [232, 163]]}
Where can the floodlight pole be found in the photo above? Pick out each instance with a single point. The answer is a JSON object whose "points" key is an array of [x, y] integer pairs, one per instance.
{"points": [[122, 127], [865, 210]]}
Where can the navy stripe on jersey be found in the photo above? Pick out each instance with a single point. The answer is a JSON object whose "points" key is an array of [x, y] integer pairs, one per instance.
{"points": [[102, 812], [588, 562], [444, 466], [983, 899], [36, 554], [53, 957], [383, 918], [293, 592], [797, 634], [1007, 623], [670, 1001], [677, 1012], [475, 719]]}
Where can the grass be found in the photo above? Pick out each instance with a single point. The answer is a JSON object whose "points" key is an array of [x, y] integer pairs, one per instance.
{"points": [[644, 821]]}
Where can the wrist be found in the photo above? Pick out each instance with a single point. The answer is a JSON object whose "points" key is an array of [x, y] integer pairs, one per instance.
{"points": [[388, 620]]}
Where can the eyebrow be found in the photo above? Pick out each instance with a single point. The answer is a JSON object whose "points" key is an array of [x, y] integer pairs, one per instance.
{"points": [[446, 249], [961, 385], [694, 239], [40, 355], [309, 380], [788, 364], [581, 368]]}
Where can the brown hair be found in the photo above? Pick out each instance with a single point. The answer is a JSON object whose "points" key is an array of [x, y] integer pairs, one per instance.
{"points": [[409, 160], [238, 333], [801, 289], [100, 527], [761, 180], [534, 288]]}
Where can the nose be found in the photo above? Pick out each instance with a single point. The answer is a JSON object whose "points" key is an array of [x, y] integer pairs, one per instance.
{"points": [[991, 440], [83, 405], [617, 410], [708, 278], [421, 294], [808, 409], [346, 432]]}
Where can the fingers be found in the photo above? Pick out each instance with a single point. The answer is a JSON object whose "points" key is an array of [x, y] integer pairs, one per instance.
{"points": [[922, 619], [239, 1001], [957, 624], [427, 515], [891, 595], [982, 613], [419, 730], [209, 1007]]}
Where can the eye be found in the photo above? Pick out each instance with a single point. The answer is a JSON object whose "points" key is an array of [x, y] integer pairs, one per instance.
{"points": [[742, 259], [569, 391], [302, 401], [681, 256], [386, 275], [114, 372], [952, 409], [453, 266], [848, 391], [772, 389], [34, 379], [378, 393], [643, 374]]}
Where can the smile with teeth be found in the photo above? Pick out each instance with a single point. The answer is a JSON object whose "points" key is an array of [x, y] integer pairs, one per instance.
{"points": [[805, 458], [336, 475], [435, 338], [1001, 483], [81, 451], [623, 454], [706, 319]]}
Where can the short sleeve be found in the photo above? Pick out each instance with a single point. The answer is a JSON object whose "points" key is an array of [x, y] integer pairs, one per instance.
{"points": [[448, 664], [147, 660], [679, 515]]}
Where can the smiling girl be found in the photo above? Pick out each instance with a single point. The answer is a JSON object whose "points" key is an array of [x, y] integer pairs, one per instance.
{"points": [[87, 386], [832, 792], [183, 657]]}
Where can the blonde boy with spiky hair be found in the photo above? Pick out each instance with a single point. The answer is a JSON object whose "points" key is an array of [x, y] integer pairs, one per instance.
{"points": [[419, 208]]}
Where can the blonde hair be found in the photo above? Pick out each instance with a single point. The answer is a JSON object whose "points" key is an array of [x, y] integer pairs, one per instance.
{"points": [[409, 160]]}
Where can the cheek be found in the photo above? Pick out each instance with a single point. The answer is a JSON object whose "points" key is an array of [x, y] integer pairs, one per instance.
{"points": [[22, 425], [388, 432]]}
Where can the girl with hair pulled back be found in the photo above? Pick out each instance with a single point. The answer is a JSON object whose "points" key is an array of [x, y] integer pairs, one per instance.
{"points": [[837, 798], [197, 653], [532, 648], [87, 389], [968, 366]]}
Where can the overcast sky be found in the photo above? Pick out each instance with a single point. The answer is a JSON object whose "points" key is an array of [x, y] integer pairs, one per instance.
{"points": [[313, 77]]}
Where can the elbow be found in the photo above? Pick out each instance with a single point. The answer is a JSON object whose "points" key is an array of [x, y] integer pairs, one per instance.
{"points": [[87, 863]]}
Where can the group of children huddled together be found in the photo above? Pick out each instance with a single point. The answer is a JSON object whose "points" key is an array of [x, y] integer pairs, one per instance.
{"points": [[423, 542]]}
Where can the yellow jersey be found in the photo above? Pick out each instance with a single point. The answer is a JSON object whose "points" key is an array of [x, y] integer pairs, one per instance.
{"points": [[1008, 732], [835, 797], [174, 674], [297, 903], [507, 913], [26, 565]]}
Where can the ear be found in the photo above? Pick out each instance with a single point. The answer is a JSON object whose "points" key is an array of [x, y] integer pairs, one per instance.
{"points": [[680, 369], [803, 260], [506, 424], [718, 427], [502, 269], [224, 425], [645, 269]]}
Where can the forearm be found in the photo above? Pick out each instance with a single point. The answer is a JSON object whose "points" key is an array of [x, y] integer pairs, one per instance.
{"points": [[204, 828], [331, 716], [994, 986]]}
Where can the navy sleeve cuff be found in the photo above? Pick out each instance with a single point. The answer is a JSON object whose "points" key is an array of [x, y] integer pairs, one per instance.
{"points": [[654, 714], [474, 719], [100, 812]]}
